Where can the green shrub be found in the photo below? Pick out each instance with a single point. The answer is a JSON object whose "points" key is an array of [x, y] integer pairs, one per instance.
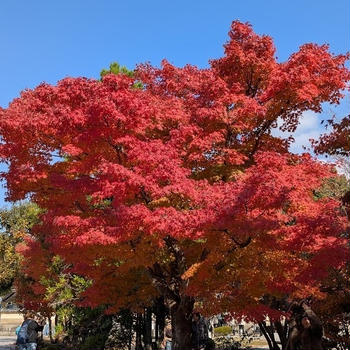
{"points": [[222, 331]]}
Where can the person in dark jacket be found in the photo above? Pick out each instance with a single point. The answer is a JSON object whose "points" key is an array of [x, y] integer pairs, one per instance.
{"points": [[31, 332], [311, 336], [199, 332], [305, 329]]}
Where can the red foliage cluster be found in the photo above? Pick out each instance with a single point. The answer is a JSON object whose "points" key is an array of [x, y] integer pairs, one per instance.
{"points": [[337, 142], [183, 171]]}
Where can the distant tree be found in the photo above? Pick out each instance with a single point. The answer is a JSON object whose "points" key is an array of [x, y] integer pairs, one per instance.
{"points": [[115, 68], [16, 223]]}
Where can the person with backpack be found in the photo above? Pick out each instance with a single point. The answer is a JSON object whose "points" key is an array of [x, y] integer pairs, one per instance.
{"points": [[305, 328], [199, 332], [27, 337]]}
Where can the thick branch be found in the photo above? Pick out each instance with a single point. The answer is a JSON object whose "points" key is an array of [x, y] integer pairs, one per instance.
{"points": [[220, 265], [243, 244], [160, 279]]}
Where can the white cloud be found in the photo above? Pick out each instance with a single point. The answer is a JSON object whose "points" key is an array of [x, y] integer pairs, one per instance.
{"points": [[309, 128], [309, 120]]}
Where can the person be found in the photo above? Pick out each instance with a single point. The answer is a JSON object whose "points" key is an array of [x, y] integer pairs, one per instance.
{"points": [[199, 332], [305, 329], [166, 344], [46, 330], [27, 337], [311, 336]]}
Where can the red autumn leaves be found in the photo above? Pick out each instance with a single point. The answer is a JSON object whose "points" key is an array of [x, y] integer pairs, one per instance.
{"points": [[189, 159]]}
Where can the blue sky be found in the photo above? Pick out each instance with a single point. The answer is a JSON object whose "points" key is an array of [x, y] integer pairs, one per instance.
{"points": [[49, 40]]}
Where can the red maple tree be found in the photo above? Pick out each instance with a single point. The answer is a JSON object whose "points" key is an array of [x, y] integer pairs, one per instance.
{"points": [[178, 187]]}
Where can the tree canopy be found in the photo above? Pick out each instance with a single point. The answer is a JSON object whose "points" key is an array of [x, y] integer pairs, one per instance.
{"points": [[176, 186]]}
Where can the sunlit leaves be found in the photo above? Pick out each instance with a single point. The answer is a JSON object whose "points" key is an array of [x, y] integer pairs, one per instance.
{"points": [[178, 187]]}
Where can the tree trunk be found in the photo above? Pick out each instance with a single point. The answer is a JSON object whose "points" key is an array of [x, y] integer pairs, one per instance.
{"points": [[160, 311], [138, 345], [56, 323], [263, 331], [50, 329], [282, 332], [269, 336], [182, 307], [147, 337], [181, 320], [131, 332]]}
